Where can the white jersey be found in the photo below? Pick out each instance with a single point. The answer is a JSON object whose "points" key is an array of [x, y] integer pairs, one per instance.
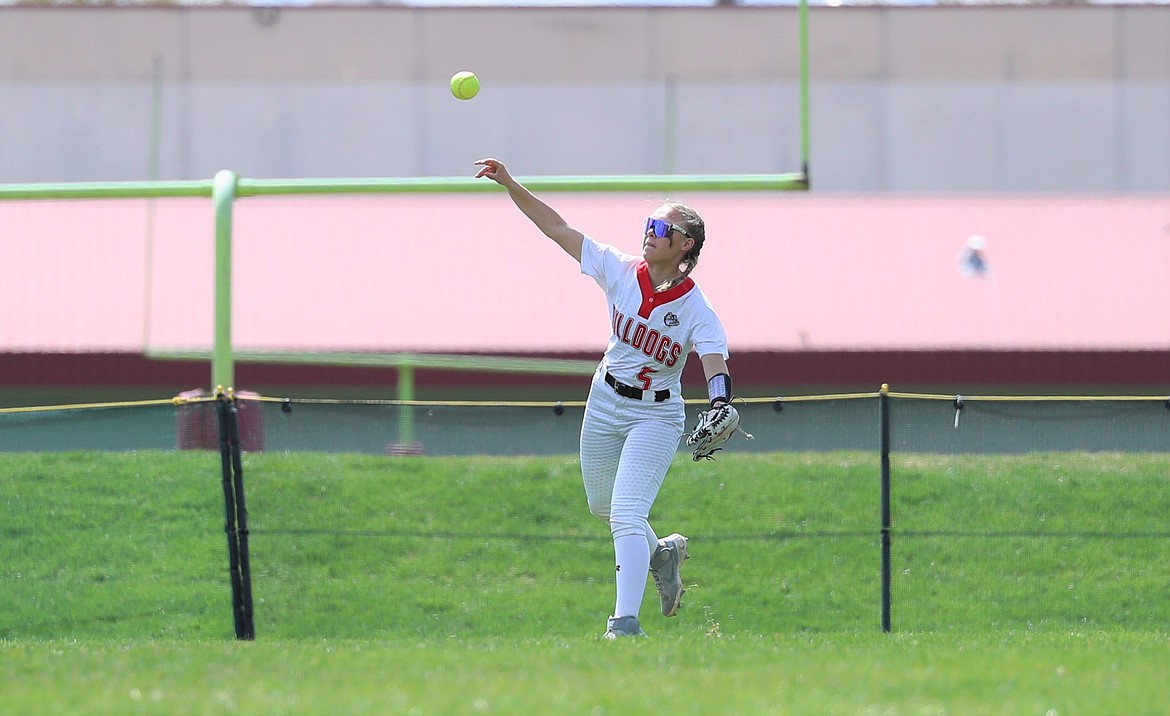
{"points": [[653, 333]]}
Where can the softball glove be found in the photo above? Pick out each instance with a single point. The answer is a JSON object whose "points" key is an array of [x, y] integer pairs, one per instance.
{"points": [[715, 427]]}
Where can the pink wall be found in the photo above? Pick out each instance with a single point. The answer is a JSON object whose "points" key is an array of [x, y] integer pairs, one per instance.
{"points": [[468, 273]]}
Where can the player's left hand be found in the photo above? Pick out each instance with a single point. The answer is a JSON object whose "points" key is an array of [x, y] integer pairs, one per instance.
{"points": [[715, 427]]}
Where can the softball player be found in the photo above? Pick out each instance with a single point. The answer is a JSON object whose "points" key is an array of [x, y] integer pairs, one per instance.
{"points": [[635, 415]]}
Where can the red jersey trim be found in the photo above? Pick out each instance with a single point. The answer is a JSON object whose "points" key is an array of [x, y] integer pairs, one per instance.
{"points": [[652, 300]]}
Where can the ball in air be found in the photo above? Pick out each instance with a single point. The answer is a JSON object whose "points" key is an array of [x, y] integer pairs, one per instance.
{"points": [[464, 85]]}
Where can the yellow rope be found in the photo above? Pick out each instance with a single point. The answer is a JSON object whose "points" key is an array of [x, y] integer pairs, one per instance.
{"points": [[119, 404], [1030, 398], [179, 400], [426, 403], [805, 398]]}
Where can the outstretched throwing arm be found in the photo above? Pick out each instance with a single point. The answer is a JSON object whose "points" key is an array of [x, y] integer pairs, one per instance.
{"points": [[544, 216]]}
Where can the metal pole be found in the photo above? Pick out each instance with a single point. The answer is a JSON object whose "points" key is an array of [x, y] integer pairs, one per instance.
{"points": [[669, 126], [152, 173], [884, 429], [405, 411], [804, 101], [246, 621], [230, 509], [223, 195]]}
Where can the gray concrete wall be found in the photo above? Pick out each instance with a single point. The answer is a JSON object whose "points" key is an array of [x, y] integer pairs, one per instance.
{"points": [[1016, 99]]}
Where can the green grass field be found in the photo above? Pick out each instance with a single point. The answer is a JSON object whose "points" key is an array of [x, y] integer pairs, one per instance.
{"points": [[1022, 585]]}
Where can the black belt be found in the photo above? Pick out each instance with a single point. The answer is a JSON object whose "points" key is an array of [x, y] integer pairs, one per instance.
{"points": [[629, 391]]}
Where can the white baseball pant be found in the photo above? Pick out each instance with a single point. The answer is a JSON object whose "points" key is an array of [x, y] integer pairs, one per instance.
{"points": [[627, 447]]}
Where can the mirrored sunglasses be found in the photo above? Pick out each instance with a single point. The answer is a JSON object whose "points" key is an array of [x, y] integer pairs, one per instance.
{"points": [[662, 228]]}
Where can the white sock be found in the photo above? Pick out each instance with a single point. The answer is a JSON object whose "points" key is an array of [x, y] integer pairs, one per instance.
{"points": [[651, 539], [633, 566]]}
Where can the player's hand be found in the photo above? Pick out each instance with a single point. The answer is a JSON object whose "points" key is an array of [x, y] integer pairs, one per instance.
{"points": [[493, 169]]}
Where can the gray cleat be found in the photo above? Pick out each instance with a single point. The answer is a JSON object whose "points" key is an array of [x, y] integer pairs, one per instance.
{"points": [[664, 568], [618, 627]]}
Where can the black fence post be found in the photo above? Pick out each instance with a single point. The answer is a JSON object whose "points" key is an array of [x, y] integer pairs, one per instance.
{"points": [[237, 517], [241, 520], [884, 430]]}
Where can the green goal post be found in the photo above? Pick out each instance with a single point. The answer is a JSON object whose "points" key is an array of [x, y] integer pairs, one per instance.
{"points": [[226, 187]]}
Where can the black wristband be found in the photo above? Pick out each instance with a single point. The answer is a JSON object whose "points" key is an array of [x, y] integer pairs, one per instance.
{"points": [[719, 389]]}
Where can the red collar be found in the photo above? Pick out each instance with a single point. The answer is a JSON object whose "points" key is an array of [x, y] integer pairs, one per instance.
{"points": [[652, 300]]}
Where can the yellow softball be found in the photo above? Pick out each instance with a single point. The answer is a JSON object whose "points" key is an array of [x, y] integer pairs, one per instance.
{"points": [[464, 85]]}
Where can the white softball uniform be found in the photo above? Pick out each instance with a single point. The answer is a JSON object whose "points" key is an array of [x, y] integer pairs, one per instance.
{"points": [[629, 440]]}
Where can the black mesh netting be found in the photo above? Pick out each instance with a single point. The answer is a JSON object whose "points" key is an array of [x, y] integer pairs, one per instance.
{"points": [[1004, 514]]}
